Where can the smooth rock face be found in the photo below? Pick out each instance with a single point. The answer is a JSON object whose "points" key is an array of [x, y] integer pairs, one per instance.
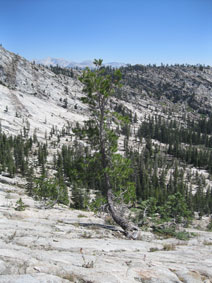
{"points": [[64, 245], [35, 278]]}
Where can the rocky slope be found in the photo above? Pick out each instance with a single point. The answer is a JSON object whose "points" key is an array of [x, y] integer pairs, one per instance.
{"points": [[187, 86], [63, 245], [35, 94]]}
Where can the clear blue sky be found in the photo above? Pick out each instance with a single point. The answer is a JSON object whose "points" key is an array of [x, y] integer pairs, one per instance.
{"points": [[130, 31]]}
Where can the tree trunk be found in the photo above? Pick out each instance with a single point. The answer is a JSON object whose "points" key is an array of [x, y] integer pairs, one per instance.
{"points": [[129, 229]]}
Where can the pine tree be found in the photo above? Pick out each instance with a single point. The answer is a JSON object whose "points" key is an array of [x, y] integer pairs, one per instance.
{"points": [[98, 88]]}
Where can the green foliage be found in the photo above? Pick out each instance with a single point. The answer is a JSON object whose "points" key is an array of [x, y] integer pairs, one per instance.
{"points": [[150, 205], [14, 152], [50, 189], [120, 172], [169, 232], [209, 226], [176, 208], [14, 156], [142, 175], [183, 235], [101, 136], [80, 199], [64, 71], [175, 135], [20, 206], [97, 203], [152, 250]]}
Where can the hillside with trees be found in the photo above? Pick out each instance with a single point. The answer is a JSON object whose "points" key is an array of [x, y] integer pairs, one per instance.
{"points": [[151, 136], [91, 159]]}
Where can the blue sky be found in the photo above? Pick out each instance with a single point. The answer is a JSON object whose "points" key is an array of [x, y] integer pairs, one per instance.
{"points": [[130, 31]]}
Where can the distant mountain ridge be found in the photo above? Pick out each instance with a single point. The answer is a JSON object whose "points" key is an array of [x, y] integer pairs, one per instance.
{"points": [[72, 64]]}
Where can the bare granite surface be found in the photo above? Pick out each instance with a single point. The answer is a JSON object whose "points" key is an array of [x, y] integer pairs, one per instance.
{"points": [[64, 245]]}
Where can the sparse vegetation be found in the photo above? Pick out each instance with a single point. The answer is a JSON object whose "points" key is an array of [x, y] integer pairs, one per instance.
{"points": [[86, 264], [207, 243], [166, 247], [209, 226], [169, 247], [168, 232], [152, 250], [81, 216], [20, 206], [86, 235]]}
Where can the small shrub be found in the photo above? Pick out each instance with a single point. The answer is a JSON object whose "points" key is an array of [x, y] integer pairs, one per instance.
{"points": [[206, 243], [50, 189], [86, 235], [166, 232], [169, 247], [182, 235], [20, 206], [151, 250], [176, 208], [166, 247], [81, 216], [89, 264], [169, 232], [209, 227], [79, 198]]}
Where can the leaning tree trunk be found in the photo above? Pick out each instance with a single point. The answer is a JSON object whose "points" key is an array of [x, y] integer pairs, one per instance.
{"points": [[129, 229]]}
